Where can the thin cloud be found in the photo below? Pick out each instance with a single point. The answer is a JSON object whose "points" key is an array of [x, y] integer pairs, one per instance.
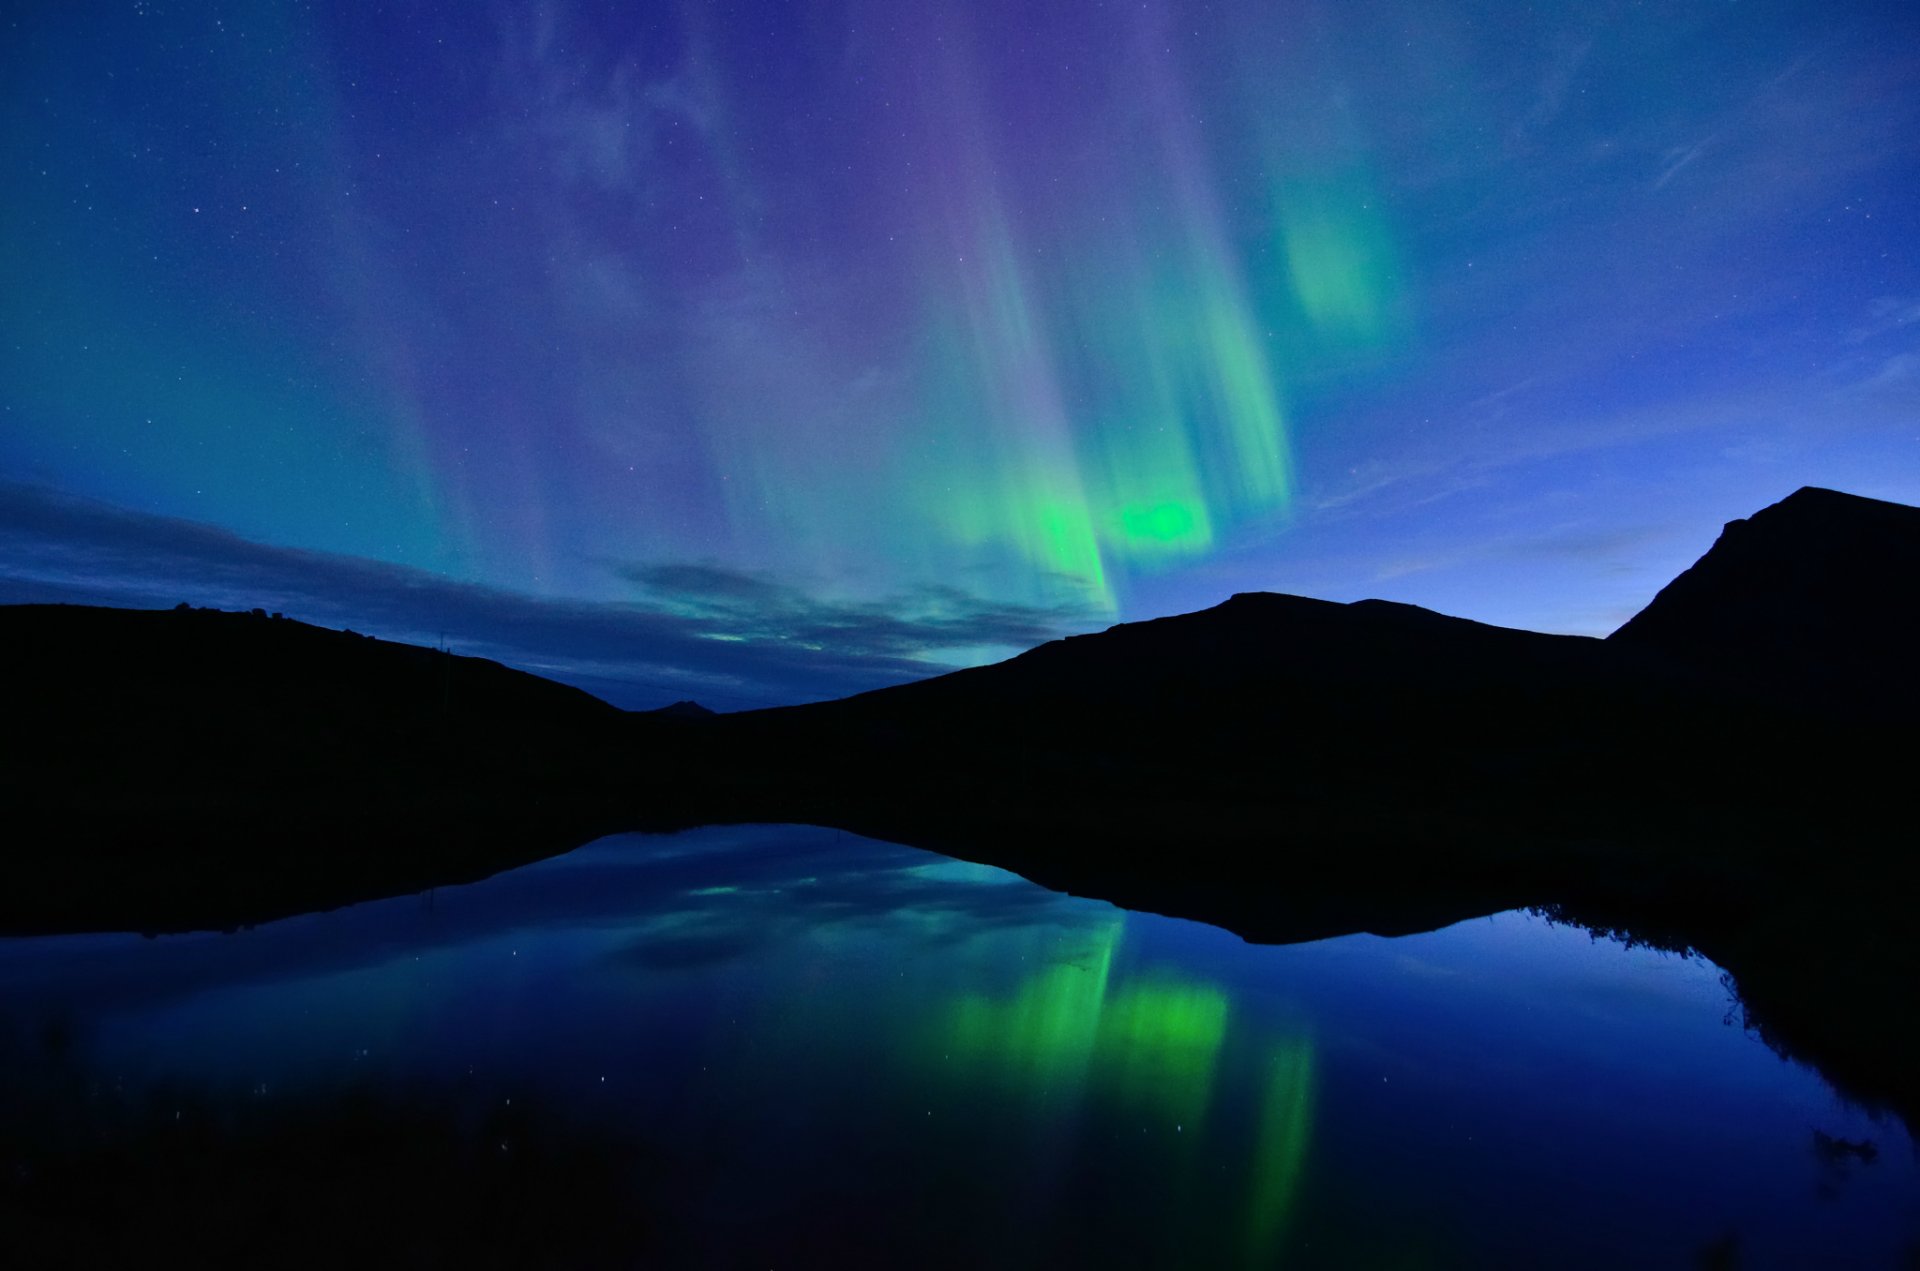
{"points": [[1886, 314], [730, 639], [1562, 72], [1901, 371], [915, 623], [1614, 550], [1680, 158]]}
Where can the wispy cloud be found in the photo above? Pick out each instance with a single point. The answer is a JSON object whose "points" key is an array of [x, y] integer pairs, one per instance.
{"points": [[1675, 160], [1885, 315], [733, 640], [1562, 72], [1490, 437], [1613, 549], [917, 623], [593, 125], [1899, 372]]}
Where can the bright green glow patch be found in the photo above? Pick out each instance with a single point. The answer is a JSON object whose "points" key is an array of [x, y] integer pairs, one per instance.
{"points": [[1286, 1126], [1146, 473], [1067, 543], [1160, 523]]}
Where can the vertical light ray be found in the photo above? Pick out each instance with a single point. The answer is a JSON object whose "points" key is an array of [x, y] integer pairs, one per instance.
{"points": [[1011, 478], [1237, 406], [1042, 1038], [1247, 399], [1160, 1042], [178, 351], [1280, 1152], [921, 305], [1153, 1045], [1099, 386]]}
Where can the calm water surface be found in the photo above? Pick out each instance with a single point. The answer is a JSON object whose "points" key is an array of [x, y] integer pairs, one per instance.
{"points": [[806, 1048]]}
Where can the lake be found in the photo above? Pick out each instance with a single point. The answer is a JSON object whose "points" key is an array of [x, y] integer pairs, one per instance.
{"points": [[785, 1046]]}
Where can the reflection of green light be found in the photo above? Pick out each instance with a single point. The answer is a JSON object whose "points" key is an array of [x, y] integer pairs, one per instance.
{"points": [[1154, 1044], [1096, 1049], [965, 873], [1046, 1033], [1160, 1042], [1286, 1124]]}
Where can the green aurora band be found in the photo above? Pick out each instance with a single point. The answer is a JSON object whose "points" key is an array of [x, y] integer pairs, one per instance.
{"points": [[1050, 355], [1103, 389]]}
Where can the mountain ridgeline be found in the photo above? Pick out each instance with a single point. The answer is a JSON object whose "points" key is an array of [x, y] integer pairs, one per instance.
{"points": [[193, 768], [1773, 675], [1767, 689], [1730, 770]]}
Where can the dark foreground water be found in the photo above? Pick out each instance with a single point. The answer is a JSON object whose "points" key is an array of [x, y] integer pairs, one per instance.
{"points": [[778, 1046]]}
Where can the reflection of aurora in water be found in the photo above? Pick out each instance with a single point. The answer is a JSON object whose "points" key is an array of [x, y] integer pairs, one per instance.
{"points": [[842, 1053], [1082, 1043], [1286, 1123]]}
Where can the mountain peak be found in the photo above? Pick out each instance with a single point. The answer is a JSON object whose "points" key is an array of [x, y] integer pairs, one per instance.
{"points": [[1820, 593], [686, 708], [1818, 495], [1814, 503]]}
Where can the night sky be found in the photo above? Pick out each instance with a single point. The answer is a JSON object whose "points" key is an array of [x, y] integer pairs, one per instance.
{"points": [[765, 352]]}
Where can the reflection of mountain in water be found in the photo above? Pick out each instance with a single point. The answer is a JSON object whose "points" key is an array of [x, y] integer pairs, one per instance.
{"points": [[1722, 771]]}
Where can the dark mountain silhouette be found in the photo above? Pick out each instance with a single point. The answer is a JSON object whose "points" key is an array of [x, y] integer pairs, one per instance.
{"points": [[1731, 770], [1270, 721], [1815, 596], [1222, 739], [108, 707], [184, 767], [684, 709], [1377, 719]]}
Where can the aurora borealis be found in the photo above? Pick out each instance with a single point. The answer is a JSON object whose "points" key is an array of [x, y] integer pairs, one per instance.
{"points": [[765, 351]]}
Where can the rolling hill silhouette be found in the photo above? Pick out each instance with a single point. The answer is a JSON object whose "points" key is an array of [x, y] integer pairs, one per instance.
{"points": [[192, 768]]}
